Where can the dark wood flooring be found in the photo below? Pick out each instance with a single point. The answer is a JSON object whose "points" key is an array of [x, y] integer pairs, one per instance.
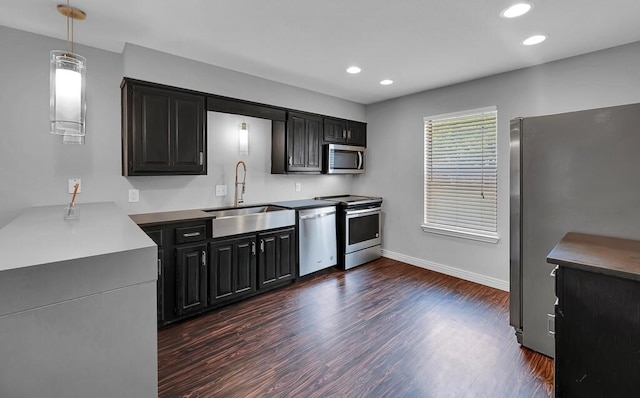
{"points": [[384, 329]]}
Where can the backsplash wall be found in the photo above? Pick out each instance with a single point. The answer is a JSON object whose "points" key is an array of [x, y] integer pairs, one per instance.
{"points": [[169, 193]]}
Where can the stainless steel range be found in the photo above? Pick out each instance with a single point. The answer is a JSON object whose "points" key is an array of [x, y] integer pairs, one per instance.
{"points": [[359, 224]]}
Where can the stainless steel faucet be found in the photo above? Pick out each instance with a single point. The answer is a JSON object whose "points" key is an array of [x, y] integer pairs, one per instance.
{"points": [[240, 200]]}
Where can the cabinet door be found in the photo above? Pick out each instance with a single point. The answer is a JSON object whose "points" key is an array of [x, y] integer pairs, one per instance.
{"points": [[187, 144], [296, 143], [245, 270], [304, 135], [191, 278], [232, 269], [335, 131], [221, 270], [163, 130], [277, 256], [268, 260], [357, 134], [151, 130], [314, 140]]}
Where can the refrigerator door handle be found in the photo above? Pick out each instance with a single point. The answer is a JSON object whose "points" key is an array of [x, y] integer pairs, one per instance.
{"points": [[515, 227]]}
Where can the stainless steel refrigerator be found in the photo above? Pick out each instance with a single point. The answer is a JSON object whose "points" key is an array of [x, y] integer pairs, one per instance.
{"points": [[577, 171]]}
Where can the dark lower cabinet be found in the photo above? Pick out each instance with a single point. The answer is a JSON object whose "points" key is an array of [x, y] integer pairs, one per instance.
{"points": [[597, 316], [197, 274], [276, 257], [232, 268], [191, 278]]}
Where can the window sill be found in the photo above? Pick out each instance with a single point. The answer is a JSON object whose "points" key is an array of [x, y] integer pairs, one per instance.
{"points": [[458, 233]]}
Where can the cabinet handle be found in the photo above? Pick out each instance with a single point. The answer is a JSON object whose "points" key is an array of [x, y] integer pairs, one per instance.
{"points": [[262, 245], [348, 134], [290, 160], [553, 273], [344, 134], [159, 267], [253, 248], [191, 234], [204, 258], [201, 158]]}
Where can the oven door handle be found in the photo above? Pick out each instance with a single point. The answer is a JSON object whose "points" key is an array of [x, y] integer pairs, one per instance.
{"points": [[363, 211]]}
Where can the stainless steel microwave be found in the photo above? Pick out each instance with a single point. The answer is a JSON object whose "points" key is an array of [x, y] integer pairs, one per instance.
{"points": [[343, 159]]}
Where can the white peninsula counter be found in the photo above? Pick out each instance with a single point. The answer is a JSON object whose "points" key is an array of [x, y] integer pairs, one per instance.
{"points": [[77, 305]]}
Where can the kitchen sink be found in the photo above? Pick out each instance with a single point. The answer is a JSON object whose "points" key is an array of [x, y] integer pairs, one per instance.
{"points": [[243, 211], [235, 221]]}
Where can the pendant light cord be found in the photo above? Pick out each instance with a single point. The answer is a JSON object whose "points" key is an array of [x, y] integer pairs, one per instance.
{"points": [[69, 29]]}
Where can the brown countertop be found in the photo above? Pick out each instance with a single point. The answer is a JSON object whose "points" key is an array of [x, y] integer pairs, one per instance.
{"points": [[600, 254], [147, 219]]}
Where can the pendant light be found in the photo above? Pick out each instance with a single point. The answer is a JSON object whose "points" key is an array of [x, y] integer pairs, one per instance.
{"points": [[67, 81]]}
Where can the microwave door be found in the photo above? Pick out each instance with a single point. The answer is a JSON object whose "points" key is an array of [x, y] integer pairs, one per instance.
{"points": [[346, 160]]}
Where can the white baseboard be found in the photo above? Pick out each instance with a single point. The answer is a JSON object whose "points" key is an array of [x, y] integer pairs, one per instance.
{"points": [[445, 269]]}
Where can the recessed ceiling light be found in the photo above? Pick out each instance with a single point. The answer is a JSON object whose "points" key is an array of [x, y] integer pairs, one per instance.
{"points": [[386, 82], [535, 39], [353, 70], [516, 10]]}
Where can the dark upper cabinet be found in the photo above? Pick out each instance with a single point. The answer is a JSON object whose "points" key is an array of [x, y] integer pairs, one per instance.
{"points": [[340, 131], [276, 257], [296, 146], [191, 278], [232, 268], [163, 130], [357, 134]]}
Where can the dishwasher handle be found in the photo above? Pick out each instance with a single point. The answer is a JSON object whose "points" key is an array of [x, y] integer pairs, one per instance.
{"points": [[310, 216]]}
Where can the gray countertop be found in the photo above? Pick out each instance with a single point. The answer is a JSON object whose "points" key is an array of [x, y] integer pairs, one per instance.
{"points": [[149, 219], [41, 236], [304, 204]]}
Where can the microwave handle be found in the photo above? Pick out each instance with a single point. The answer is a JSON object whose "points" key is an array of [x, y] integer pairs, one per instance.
{"points": [[360, 160]]}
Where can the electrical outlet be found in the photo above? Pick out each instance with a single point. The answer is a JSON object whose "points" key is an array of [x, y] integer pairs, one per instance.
{"points": [[298, 187], [72, 182], [134, 195], [221, 190]]}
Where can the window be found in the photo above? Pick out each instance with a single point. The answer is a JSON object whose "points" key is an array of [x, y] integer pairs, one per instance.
{"points": [[460, 174]]}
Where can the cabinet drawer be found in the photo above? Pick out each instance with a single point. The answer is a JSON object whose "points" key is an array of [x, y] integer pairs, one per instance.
{"points": [[155, 235], [194, 233]]}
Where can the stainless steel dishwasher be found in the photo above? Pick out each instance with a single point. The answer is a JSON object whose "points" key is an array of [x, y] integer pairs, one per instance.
{"points": [[317, 239]]}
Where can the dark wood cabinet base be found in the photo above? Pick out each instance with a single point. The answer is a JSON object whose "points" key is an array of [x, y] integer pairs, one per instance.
{"points": [[597, 320], [197, 274]]}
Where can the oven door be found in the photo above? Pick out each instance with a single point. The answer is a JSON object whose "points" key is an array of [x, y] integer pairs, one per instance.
{"points": [[362, 229]]}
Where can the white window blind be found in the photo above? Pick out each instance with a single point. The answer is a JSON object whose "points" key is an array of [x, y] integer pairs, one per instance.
{"points": [[460, 172]]}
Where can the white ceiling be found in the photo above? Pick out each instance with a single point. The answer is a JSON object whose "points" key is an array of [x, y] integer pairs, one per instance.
{"points": [[420, 44]]}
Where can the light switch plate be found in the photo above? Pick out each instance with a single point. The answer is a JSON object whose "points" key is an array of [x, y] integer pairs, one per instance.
{"points": [[298, 187], [134, 195], [221, 190], [72, 182]]}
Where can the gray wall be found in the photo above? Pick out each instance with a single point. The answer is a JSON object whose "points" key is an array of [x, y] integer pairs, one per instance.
{"points": [[395, 150], [35, 165]]}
